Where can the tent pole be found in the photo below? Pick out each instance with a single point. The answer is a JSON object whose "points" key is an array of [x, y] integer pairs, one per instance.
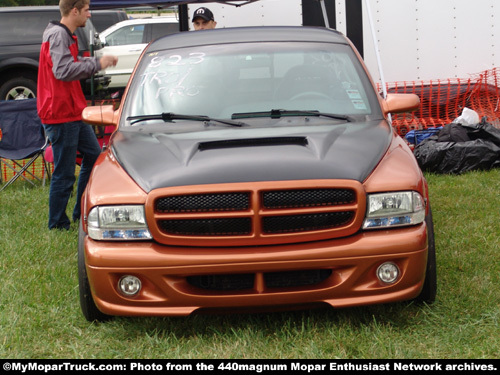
{"points": [[377, 51], [325, 15]]}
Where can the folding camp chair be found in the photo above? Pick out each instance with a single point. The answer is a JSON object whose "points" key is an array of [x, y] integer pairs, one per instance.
{"points": [[23, 138]]}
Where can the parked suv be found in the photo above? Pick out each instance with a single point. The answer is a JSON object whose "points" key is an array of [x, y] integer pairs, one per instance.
{"points": [[253, 168], [21, 30], [127, 39]]}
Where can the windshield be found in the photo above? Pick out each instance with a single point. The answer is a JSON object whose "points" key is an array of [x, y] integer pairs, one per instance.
{"points": [[223, 81]]}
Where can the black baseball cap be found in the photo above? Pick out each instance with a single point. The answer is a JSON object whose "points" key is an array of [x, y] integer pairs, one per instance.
{"points": [[204, 13]]}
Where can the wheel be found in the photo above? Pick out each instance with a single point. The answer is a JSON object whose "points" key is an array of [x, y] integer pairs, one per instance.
{"points": [[18, 88], [428, 292], [87, 304], [310, 95]]}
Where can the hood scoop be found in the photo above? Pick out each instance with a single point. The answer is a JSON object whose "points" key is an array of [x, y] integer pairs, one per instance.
{"points": [[252, 142]]}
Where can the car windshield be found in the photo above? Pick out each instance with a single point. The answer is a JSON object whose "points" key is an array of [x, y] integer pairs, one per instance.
{"points": [[249, 80]]}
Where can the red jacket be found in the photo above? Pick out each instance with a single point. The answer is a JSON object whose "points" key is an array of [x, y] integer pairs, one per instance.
{"points": [[59, 95]]}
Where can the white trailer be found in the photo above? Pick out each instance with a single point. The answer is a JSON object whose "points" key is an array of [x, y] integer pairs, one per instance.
{"points": [[416, 39]]}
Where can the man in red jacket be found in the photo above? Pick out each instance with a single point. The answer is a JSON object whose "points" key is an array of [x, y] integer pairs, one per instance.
{"points": [[60, 101]]}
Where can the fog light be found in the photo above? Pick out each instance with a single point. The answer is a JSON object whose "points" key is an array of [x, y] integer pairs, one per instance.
{"points": [[129, 285], [388, 272]]}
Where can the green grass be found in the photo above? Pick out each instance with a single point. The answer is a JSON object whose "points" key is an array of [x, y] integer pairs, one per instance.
{"points": [[40, 314]]}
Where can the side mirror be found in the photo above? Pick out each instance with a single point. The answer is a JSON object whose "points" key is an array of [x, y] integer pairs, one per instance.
{"points": [[102, 40], [97, 41], [100, 115], [397, 103]]}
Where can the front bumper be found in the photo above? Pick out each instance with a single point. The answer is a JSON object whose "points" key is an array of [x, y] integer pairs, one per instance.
{"points": [[165, 272]]}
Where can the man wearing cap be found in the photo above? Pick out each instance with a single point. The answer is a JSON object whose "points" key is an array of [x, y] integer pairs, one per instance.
{"points": [[203, 19]]}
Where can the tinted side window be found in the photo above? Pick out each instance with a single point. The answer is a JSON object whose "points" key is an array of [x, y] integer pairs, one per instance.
{"points": [[19, 28], [162, 29]]}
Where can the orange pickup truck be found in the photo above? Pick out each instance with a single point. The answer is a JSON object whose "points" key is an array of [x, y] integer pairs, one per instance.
{"points": [[253, 169]]}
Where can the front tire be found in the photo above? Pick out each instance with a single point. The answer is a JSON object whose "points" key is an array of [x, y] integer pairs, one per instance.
{"points": [[87, 304], [429, 290]]}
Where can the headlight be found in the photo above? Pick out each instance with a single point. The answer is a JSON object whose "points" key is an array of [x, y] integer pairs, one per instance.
{"points": [[394, 209], [118, 223]]}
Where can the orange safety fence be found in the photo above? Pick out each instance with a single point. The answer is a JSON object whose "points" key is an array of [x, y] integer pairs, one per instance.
{"points": [[37, 168], [442, 101]]}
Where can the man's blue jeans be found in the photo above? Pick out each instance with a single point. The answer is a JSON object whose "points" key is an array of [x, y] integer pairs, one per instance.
{"points": [[66, 139]]}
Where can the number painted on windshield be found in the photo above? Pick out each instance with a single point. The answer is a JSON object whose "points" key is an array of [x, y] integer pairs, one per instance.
{"points": [[193, 58], [167, 75]]}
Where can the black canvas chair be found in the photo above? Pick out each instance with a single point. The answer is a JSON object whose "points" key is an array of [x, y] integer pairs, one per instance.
{"points": [[22, 138]]}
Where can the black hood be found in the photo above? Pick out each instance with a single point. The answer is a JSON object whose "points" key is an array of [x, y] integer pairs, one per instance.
{"points": [[155, 159]]}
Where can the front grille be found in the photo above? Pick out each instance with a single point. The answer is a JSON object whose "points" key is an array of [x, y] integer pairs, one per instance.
{"points": [[207, 227], [203, 203], [307, 198], [254, 214], [303, 223], [286, 279]]}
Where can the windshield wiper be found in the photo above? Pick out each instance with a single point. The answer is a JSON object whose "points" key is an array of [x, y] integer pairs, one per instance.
{"points": [[170, 117], [278, 113]]}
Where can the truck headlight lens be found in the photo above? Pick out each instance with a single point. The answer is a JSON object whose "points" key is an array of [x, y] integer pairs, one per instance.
{"points": [[118, 223], [394, 209]]}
